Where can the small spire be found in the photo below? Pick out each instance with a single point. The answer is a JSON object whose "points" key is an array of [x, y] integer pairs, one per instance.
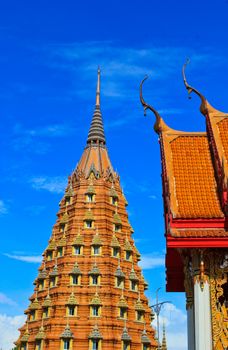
{"points": [[164, 345], [96, 134]]}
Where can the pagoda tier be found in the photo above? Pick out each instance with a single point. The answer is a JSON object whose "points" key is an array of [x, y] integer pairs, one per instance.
{"points": [[195, 188], [89, 293]]}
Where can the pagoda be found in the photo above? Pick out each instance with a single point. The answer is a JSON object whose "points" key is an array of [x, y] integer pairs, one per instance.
{"points": [[89, 292], [195, 195]]}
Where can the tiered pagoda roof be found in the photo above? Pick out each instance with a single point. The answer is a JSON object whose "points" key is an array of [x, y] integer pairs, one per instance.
{"points": [[84, 292]]}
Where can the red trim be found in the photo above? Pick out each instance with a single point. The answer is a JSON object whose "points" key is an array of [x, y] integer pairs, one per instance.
{"points": [[198, 223], [196, 242]]}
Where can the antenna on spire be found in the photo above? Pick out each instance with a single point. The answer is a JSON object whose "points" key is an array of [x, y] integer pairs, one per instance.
{"points": [[98, 87]]}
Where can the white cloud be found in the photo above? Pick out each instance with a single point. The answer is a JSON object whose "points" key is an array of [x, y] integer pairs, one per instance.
{"points": [[36, 140], [122, 70], [176, 340], [120, 63], [175, 321], [54, 130], [171, 314], [25, 258], [55, 184], [151, 261], [3, 208], [169, 111], [6, 300], [152, 196], [9, 330]]}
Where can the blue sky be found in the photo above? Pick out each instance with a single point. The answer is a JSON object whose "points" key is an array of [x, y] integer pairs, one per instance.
{"points": [[49, 56]]}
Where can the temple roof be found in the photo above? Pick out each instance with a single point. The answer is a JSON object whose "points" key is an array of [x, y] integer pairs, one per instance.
{"points": [[188, 164], [213, 232], [190, 172], [219, 126]]}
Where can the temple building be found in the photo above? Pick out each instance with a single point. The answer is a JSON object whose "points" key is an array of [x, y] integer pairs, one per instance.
{"points": [[90, 292], [195, 195]]}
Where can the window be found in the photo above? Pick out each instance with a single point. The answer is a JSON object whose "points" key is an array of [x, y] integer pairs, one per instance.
{"points": [[38, 345], [75, 279], [45, 312], [128, 255], [95, 344], [71, 310], [95, 310], [140, 316], [49, 255], [32, 315], [67, 200], [119, 282], [60, 252], [77, 249], [94, 280], [88, 223], [117, 227], [116, 252], [145, 347], [134, 286], [90, 197], [114, 201], [23, 346], [66, 344], [41, 285], [123, 312], [96, 249], [62, 227], [126, 345], [53, 281]]}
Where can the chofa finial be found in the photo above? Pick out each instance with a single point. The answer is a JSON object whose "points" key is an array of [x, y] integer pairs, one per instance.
{"points": [[157, 126], [203, 107]]}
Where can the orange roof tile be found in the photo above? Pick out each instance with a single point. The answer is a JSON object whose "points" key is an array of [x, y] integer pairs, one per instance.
{"points": [[191, 175], [219, 125], [199, 233], [223, 131]]}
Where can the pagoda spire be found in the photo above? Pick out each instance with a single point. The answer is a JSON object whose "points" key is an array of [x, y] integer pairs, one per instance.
{"points": [[88, 279], [164, 345], [96, 132], [98, 87]]}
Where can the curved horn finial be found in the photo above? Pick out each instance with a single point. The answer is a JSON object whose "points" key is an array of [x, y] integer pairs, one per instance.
{"points": [[147, 106], [191, 89]]}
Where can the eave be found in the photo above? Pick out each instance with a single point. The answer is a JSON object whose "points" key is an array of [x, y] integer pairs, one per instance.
{"points": [[196, 242]]}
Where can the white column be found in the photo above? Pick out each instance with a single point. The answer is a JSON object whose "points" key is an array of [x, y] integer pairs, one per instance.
{"points": [[202, 316], [191, 327]]}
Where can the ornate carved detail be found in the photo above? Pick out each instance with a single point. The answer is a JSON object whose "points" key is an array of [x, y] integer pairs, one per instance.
{"points": [[219, 307], [200, 265], [188, 282]]}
